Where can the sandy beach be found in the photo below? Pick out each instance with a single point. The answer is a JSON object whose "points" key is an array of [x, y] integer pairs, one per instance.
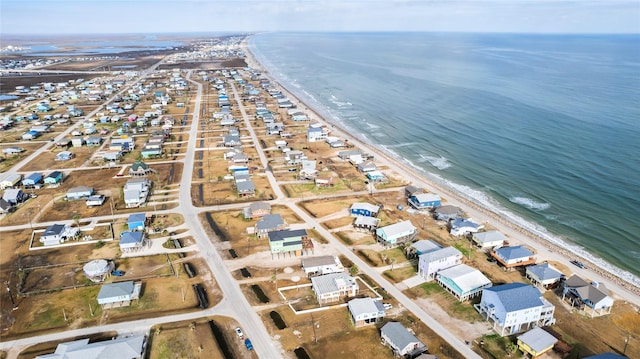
{"points": [[544, 250]]}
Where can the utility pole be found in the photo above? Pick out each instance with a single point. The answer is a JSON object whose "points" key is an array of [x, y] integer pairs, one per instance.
{"points": [[626, 342], [13, 303]]}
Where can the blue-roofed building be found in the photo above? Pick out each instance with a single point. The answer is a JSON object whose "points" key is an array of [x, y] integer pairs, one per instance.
{"points": [[131, 241], [543, 275], [511, 257], [364, 209], [136, 221], [424, 200], [606, 356], [421, 247], [54, 177], [32, 180], [463, 226], [514, 308]]}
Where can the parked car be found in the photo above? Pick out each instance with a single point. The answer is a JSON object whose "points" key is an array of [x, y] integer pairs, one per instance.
{"points": [[117, 273], [387, 306], [247, 343], [239, 332]]}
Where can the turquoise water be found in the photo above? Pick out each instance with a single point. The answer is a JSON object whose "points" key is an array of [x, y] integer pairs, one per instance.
{"points": [[544, 129]]}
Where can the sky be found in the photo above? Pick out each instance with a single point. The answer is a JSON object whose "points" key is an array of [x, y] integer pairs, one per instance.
{"points": [[162, 16]]}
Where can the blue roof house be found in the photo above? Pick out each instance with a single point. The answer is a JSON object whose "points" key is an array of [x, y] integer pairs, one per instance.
{"points": [[515, 256], [425, 200], [514, 308], [53, 177], [463, 226], [136, 221], [131, 241], [543, 275], [32, 180], [364, 209]]}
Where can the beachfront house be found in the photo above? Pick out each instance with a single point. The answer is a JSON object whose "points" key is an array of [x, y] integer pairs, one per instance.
{"points": [[543, 275], [411, 190], [401, 341], [53, 178], [397, 233], [131, 241], [514, 308], [364, 209], [424, 200], [120, 294], [286, 241], [511, 257], [331, 287], [316, 134], [321, 265], [462, 281], [536, 342], [430, 263], [592, 297], [132, 347], [269, 223], [463, 226], [365, 311], [57, 234], [489, 239], [446, 213]]}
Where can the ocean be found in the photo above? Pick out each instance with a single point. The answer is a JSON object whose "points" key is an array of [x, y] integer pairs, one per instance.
{"points": [[542, 129]]}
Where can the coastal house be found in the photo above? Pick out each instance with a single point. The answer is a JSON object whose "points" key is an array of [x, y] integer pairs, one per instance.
{"points": [[120, 294], [424, 200], [269, 223], [64, 156], [139, 169], [462, 281], [231, 140], [93, 141], [376, 176], [421, 247], [10, 181], [287, 240], [516, 256], [137, 221], [321, 265], [78, 193], [331, 287], [257, 210], [364, 209], [367, 166], [131, 241], [95, 200], [77, 141], [446, 213], [136, 192], [369, 224], [430, 263], [53, 178], [245, 188], [514, 308], [463, 226], [411, 190], [6, 207], [316, 134], [14, 196], [543, 275], [536, 342], [489, 239], [397, 233], [592, 297], [401, 341], [57, 234], [365, 311], [12, 150], [131, 347], [31, 135]]}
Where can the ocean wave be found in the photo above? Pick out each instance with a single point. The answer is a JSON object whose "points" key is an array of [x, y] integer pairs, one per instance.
{"points": [[439, 162], [530, 203]]}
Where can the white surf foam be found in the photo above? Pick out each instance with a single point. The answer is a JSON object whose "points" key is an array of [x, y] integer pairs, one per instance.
{"points": [[530, 203], [439, 162]]}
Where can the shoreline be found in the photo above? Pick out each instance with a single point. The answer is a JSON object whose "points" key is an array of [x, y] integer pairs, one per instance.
{"points": [[543, 248]]}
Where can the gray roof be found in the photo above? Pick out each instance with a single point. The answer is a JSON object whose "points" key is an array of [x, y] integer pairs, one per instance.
{"points": [[575, 281], [54, 230], [329, 283], [113, 290], [366, 221], [80, 189], [122, 347], [360, 306], [489, 236], [287, 233], [441, 253], [587, 291], [246, 186], [517, 296], [426, 245], [463, 222], [397, 228], [254, 206], [515, 252], [538, 339], [399, 335], [447, 209], [270, 221], [544, 271], [131, 237], [465, 277], [318, 261]]}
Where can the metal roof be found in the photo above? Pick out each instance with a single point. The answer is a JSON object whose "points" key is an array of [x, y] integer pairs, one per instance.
{"points": [[515, 252], [465, 277], [361, 306], [538, 339], [517, 296], [398, 335]]}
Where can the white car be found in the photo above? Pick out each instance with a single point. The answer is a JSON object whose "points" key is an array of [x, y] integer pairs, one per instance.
{"points": [[387, 306], [239, 332]]}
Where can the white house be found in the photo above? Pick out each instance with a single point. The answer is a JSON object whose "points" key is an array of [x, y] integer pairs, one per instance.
{"points": [[321, 265], [430, 263], [462, 281], [131, 347], [118, 294], [489, 239], [365, 311], [514, 308], [464, 226], [315, 134], [58, 233], [331, 287], [592, 297], [396, 233], [136, 191]]}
